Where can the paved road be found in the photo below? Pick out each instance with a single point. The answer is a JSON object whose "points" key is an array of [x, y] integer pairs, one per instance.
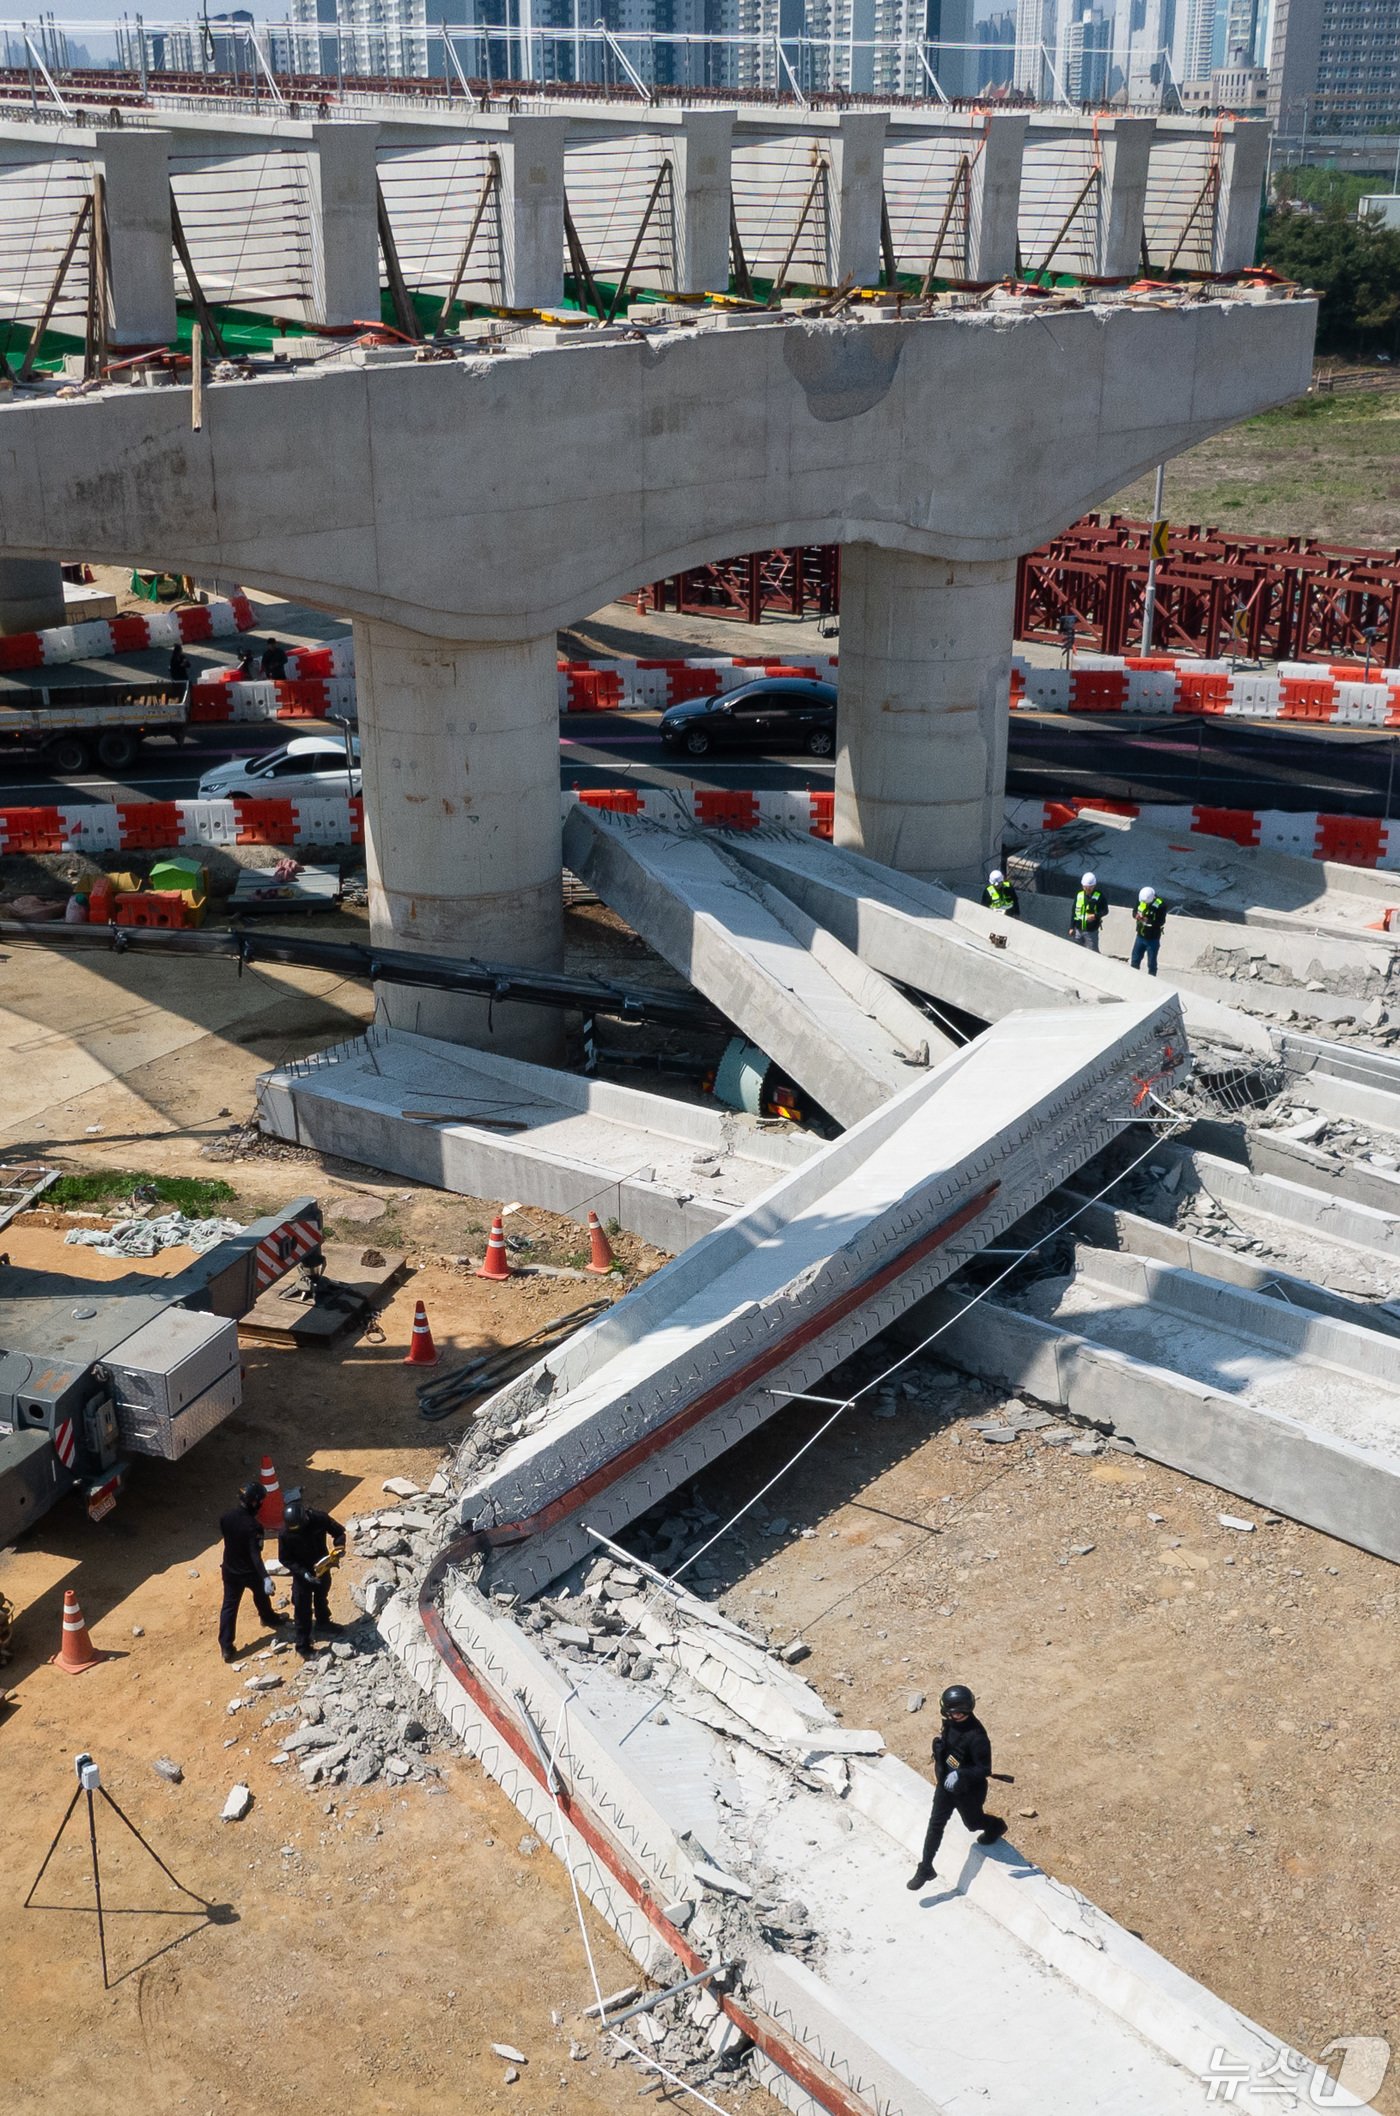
{"points": [[1219, 763]]}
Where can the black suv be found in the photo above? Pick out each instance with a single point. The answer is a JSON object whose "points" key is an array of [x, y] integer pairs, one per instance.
{"points": [[774, 712]]}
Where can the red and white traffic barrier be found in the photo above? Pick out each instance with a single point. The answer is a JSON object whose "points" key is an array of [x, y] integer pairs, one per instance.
{"points": [[1352, 841], [293, 698], [187, 625], [1336, 695], [159, 826], [650, 686]]}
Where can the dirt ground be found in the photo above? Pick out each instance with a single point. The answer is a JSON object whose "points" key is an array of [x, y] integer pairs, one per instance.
{"points": [[1202, 1723], [371, 1945]]}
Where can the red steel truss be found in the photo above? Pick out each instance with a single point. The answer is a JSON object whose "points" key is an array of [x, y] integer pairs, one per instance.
{"points": [[1265, 598], [805, 582], [1260, 598]]}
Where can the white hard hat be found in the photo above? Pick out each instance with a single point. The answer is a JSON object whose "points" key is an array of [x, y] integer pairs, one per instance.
{"points": [[1087, 881], [996, 875], [1146, 893]]}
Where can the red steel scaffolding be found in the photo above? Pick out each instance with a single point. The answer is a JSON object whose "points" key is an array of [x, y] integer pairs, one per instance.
{"points": [[1256, 598]]}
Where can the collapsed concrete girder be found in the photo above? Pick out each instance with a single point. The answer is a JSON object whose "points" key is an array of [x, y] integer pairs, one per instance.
{"points": [[834, 1026], [700, 1354], [911, 928]]}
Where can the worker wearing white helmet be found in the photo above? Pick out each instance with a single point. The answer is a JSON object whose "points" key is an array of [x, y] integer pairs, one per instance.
{"points": [[1149, 918], [1090, 911], [999, 895]]}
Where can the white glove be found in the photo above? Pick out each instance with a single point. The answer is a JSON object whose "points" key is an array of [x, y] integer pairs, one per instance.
{"points": [[950, 1780]]}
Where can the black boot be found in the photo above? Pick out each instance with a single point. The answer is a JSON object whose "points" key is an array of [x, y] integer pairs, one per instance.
{"points": [[921, 1878], [995, 1828]]}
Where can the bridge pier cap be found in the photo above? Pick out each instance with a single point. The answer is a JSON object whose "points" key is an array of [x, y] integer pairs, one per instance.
{"points": [[462, 510], [497, 497]]}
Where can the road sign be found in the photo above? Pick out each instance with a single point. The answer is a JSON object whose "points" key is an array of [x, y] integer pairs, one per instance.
{"points": [[1161, 538]]}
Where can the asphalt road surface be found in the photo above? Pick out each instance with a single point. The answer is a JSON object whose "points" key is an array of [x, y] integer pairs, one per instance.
{"points": [[1222, 764]]}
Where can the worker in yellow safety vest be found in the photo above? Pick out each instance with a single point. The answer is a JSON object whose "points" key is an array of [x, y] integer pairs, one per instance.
{"points": [[1090, 911], [1000, 896]]}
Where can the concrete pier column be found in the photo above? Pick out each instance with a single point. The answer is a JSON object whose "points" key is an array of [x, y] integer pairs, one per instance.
{"points": [[922, 720], [344, 224], [1244, 156], [31, 595], [700, 159], [858, 177], [532, 211], [141, 261], [460, 752], [1127, 149], [996, 199]]}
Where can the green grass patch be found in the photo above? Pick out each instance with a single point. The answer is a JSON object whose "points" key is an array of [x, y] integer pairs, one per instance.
{"points": [[198, 1197]]}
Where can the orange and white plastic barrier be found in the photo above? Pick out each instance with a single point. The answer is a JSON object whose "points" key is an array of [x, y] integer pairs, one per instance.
{"points": [[187, 626], [1339, 694], [1353, 841], [162, 826]]}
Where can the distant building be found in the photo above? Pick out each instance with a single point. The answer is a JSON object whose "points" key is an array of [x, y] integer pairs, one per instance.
{"points": [[994, 66], [1334, 66], [1240, 88]]}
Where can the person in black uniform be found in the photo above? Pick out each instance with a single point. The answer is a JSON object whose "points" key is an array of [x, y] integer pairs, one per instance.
{"points": [[305, 1540], [962, 1763], [242, 1568], [274, 661]]}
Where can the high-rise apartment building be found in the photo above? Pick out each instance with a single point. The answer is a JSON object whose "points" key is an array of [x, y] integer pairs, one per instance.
{"points": [[1334, 66]]}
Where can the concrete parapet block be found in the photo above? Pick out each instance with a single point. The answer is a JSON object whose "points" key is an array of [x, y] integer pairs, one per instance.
{"points": [[700, 150], [1126, 146], [344, 226], [857, 152], [141, 261], [532, 211], [996, 198], [1244, 160]]}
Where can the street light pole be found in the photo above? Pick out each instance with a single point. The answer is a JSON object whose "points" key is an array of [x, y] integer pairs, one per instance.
{"points": [[1149, 600]]}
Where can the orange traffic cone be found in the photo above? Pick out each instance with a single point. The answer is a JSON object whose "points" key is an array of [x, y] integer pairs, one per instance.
{"points": [[77, 1653], [270, 1512], [600, 1257], [493, 1264], [422, 1352]]}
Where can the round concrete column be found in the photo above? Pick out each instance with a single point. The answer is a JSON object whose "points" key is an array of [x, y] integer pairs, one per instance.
{"points": [[460, 750], [925, 670], [31, 595]]}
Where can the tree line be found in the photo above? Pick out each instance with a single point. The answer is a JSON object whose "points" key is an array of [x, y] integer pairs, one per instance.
{"points": [[1309, 235]]}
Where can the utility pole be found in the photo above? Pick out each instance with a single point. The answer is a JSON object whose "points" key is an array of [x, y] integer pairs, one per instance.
{"points": [[1149, 600]]}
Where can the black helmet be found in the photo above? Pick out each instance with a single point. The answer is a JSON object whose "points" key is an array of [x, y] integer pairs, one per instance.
{"points": [[956, 1698], [251, 1496], [294, 1511]]}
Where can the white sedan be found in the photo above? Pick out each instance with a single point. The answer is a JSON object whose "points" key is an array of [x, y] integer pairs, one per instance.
{"points": [[313, 766]]}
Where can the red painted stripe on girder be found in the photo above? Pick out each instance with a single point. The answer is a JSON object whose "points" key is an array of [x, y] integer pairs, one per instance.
{"points": [[732, 1385], [777, 2045]]}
